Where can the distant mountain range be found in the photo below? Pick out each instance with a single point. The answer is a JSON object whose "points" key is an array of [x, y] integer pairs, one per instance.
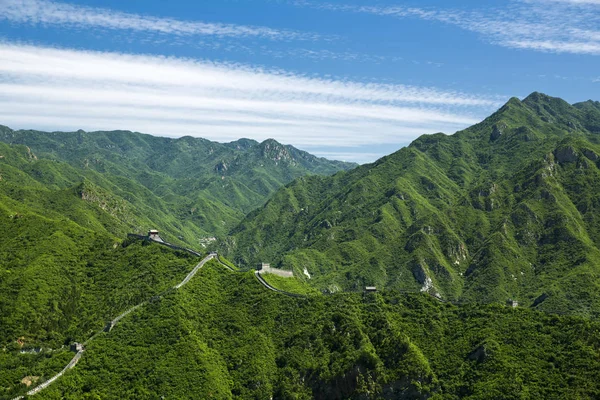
{"points": [[190, 187], [508, 209]]}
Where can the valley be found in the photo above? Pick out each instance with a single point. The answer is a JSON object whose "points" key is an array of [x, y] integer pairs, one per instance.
{"points": [[480, 249]]}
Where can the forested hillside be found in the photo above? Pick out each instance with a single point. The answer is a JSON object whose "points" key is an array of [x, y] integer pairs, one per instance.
{"points": [[225, 337], [67, 202], [189, 187], [507, 209]]}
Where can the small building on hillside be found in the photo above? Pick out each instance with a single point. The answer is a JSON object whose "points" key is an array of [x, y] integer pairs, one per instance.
{"points": [[153, 235], [513, 303], [265, 268], [370, 289]]}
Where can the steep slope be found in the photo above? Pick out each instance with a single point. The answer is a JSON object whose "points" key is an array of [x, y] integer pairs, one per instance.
{"points": [[101, 202], [70, 204], [506, 209], [224, 336], [206, 186]]}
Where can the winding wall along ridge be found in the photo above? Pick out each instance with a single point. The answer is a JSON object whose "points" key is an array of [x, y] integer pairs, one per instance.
{"points": [[274, 289], [44, 385], [114, 322]]}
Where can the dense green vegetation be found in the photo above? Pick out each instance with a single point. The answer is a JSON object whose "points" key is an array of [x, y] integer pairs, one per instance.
{"points": [[60, 282], [18, 369], [291, 285], [67, 201], [225, 336], [191, 188], [507, 209], [66, 289]]}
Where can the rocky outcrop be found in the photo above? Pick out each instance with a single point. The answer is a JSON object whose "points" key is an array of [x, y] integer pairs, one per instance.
{"points": [[421, 275], [221, 167], [566, 155], [30, 154], [590, 154], [497, 131]]}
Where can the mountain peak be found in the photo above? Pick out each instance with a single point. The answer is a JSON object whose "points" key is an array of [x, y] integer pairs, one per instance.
{"points": [[242, 144], [541, 99], [270, 142], [275, 151], [536, 97], [589, 104]]}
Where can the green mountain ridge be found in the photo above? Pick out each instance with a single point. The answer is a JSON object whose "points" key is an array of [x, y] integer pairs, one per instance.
{"points": [[206, 186], [224, 336], [67, 201], [505, 209]]}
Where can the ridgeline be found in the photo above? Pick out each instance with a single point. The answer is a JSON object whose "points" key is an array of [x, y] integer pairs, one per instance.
{"points": [[449, 229], [504, 210]]}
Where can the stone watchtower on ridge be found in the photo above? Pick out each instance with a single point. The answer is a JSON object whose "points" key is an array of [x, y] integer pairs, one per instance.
{"points": [[153, 235], [265, 268]]}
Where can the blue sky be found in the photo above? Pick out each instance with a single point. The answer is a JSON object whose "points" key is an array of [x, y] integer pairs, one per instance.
{"points": [[351, 80]]}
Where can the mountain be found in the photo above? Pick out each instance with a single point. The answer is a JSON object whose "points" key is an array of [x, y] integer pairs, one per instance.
{"points": [[67, 201], [66, 268], [189, 187], [506, 209], [224, 336]]}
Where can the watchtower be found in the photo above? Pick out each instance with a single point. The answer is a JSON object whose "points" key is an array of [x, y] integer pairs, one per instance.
{"points": [[153, 235], [76, 347], [265, 268]]}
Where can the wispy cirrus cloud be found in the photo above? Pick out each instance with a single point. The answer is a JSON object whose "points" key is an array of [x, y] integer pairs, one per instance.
{"points": [[51, 13], [49, 88], [577, 2], [189, 34], [559, 26]]}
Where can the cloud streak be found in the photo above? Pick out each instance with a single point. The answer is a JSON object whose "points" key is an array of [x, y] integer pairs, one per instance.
{"points": [[49, 88], [49, 13], [575, 2], [558, 26]]}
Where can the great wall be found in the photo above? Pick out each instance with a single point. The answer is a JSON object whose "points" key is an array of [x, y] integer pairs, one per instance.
{"points": [[80, 349], [264, 269]]}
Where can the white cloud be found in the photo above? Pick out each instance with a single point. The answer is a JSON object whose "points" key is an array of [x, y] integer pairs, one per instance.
{"points": [[559, 47], [558, 26], [61, 89], [46, 12], [350, 156], [576, 2]]}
